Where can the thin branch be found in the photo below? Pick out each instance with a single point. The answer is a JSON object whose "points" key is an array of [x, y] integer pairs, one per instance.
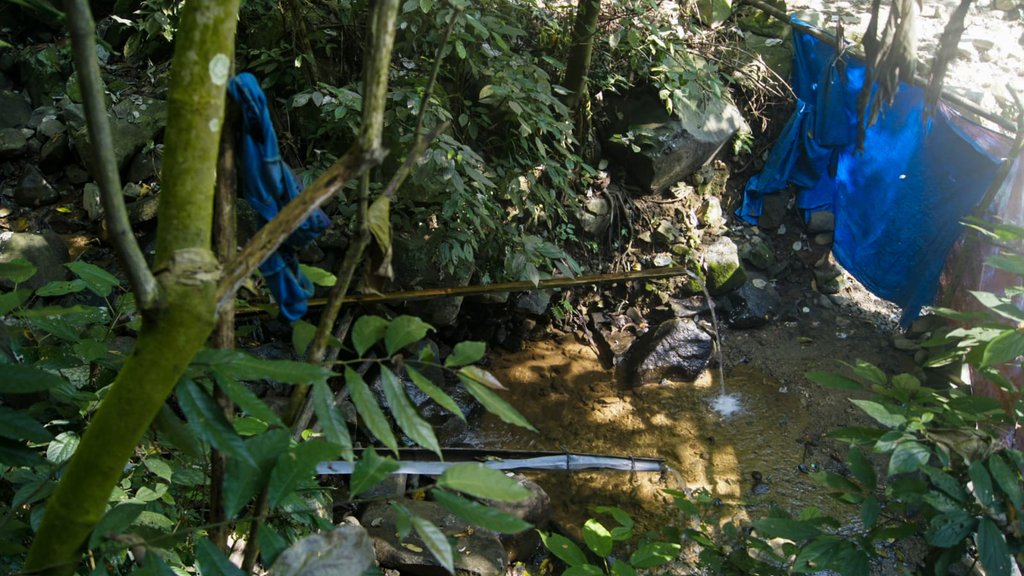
{"points": [[83, 42]]}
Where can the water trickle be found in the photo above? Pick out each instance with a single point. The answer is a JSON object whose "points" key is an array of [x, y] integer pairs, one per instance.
{"points": [[724, 404]]}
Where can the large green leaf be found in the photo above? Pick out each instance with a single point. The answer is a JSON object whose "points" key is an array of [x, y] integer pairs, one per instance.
{"points": [[880, 413], [296, 465], [908, 457], [495, 404], [242, 481], [238, 365], [597, 538], [869, 372], [465, 353], [414, 426], [652, 554], [1004, 348], [367, 331], [1007, 479], [481, 376], [946, 483], [404, 330], [18, 425], [115, 521], [369, 410], [949, 529], [61, 288], [856, 434], [482, 482], [13, 453], [982, 483], [862, 468], [992, 549], [477, 514], [246, 399], [62, 447], [369, 471], [564, 549], [434, 392], [435, 541], [98, 280], [796, 530], [17, 270], [319, 276], [213, 562], [19, 379], [302, 335], [833, 381], [206, 417], [331, 421], [13, 299]]}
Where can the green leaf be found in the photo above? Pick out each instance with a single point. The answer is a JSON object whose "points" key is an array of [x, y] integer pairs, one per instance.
{"points": [[495, 404], [1007, 479], [909, 456], [17, 270], [90, 350], [946, 483], [159, 467], [833, 381], [482, 482], [868, 372], [880, 413], [796, 530], [434, 392], [17, 454], [155, 520], [13, 299], [318, 276], [152, 565], [992, 549], [563, 549], [949, 529], [246, 400], [272, 544], [369, 471], [61, 288], [331, 421], [583, 570], [61, 448], [378, 220], [367, 407], [597, 538], [654, 554], [869, 511], [242, 481], [481, 376], [435, 541], [26, 380], [414, 426], [213, 562], [403, 331], [425, 6], [477, 514], [98, 280], [302, 335], [862, 468], [249, 426], [237, 365], [207, 419], [296, 465], [856, 435], [982, 484], [18, 425], [465, 353], [116, 521], [367, 331], [818, 553], [1004, 348]]}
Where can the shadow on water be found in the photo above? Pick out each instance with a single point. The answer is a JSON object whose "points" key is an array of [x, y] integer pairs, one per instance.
{"points": [[562, 388]]}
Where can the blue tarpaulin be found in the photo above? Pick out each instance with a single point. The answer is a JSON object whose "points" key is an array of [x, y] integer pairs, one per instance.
{"points": [[898, 203], [267, 185]]}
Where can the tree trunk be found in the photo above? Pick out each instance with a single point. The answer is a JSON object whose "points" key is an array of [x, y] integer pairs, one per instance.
{"points": [[187, 273], [577, 67]]}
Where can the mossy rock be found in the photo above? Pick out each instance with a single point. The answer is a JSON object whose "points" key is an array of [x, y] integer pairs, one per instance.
{"points": [[722, 267]]}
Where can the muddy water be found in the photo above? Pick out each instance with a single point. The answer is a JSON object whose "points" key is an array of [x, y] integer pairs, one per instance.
{"points": [[563, 389]]}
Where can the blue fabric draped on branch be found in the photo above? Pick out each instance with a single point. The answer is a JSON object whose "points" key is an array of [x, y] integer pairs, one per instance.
{"points": [[267, 185], [898, 202]]}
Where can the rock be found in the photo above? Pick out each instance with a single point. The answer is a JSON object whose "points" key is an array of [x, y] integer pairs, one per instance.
{"points": [[822, 221], [1005, 5], [754, 304], [823, 239], [55, 153], [763, 24], [15, 111], [722, 268], [666, 232], [47, 251], [536, 510], [33, 190], [76, 175], [417, 264], [42, 113], [345, 551], [828, 276], [901, 342], [671, 147], [759, 253], [713, 13], [534, 303], [73, 114], [12, 143], [678, 348], [595, 215], [711, 214], [144, 209], [480, 553], [91, 201], [774, 210], [146, 164], [135, 122], [49, 126], [40, 71]]}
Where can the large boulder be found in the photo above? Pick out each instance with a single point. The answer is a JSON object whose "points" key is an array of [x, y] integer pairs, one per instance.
{"points": [[46, 251], [135, 122], [480, 551], [671, 147], [15, 111], [754, 304], [345, 551], [536, 510], [678, 348]]}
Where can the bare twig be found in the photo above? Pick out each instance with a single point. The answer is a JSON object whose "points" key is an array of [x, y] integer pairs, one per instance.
{"points": [[83, 42]]}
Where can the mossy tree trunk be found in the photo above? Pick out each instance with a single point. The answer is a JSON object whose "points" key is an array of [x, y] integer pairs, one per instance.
{"points": [[187, 272], [577, 68]]}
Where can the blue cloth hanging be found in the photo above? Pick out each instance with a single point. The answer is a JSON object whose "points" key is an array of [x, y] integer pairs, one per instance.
{"points": [[898, 202], [268, 184]]}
